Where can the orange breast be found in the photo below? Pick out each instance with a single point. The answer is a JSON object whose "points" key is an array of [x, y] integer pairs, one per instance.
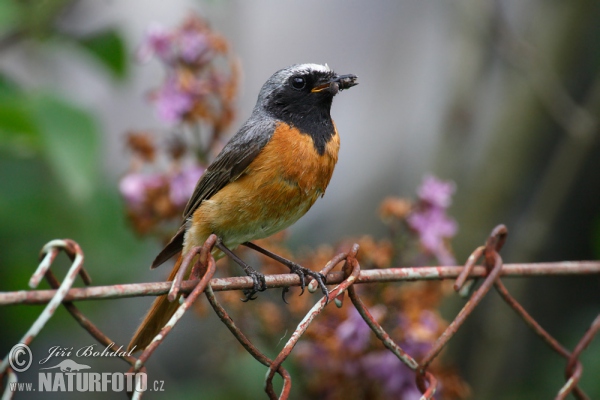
{"points": [[277, 188]]}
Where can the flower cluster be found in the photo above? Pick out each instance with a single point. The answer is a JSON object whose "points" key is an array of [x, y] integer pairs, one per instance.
{"points": [[339, 355], [152, 196], [430, 220], [196, 100], [196, 87]]}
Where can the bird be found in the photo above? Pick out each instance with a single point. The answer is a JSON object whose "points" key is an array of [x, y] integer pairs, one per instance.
{"points": [[265, 178]]}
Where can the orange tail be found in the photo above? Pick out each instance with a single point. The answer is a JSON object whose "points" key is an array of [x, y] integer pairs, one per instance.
{"points": [[159, 314]]}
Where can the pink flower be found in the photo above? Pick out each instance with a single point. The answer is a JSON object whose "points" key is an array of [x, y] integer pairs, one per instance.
{"points": [[436, 192], [354, 333], [134, 186], [430, 221], [419, 335], [172, 103], [397, 380], [182, 185], [159, 42], [194, 47], [433, 226]]}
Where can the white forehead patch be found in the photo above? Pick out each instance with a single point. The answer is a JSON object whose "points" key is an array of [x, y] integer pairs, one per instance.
{"points": [[305, 68], [278, 78]]}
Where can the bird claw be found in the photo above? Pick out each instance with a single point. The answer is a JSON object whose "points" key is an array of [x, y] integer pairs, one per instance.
{"points": [[283, 292], [303, 272], [260, 285], [249, 294]]}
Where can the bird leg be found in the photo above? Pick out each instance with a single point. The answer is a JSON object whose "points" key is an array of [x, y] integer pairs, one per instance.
{"points": [[260, 285], [297, 269]]}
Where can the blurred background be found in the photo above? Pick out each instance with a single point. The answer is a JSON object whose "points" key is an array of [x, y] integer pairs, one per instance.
{"points": [[500, 97]]}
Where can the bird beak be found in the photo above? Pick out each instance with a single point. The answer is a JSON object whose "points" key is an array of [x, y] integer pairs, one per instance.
{"points": [[342, 81]]}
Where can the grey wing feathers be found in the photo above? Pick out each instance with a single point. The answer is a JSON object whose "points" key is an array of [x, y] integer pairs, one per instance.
{"points": [[228, 166], [173, 247], [231, 162]]}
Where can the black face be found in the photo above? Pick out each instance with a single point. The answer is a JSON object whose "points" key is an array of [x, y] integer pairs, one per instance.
{"points": [[301, 96], [311, 81], [303, 91]]}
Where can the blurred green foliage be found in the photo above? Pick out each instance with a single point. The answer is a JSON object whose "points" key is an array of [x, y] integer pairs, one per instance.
{"points": [[49, 127], [109, 49], [30, 18], [51, 185]]}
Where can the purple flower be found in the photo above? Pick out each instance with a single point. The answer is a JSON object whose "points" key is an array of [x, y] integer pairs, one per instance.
{"points": [[436, 192], [133, 187], [397, 380], [194, 47], [353, 333], [430, 220], [182, 185], [430, 323], [433, 226], [419, 336], [159, 42], [172, 103]]}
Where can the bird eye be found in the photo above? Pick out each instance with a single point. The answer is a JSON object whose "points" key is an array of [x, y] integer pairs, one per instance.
{"points": [[298, 82]]}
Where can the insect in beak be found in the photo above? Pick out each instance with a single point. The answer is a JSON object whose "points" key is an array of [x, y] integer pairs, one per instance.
{"points": [[343, 81]]}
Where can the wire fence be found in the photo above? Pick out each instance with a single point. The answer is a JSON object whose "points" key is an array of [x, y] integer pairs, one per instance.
{"points": [[491, 269]]}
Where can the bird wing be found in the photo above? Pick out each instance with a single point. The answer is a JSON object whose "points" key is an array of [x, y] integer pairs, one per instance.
{"points": [[231, 163]]}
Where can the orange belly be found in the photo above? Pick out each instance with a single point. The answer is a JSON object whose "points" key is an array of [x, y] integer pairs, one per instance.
{"points": [[277, 188]]}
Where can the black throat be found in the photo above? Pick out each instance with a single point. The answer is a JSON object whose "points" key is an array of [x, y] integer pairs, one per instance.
{"points": [[314, 121]]}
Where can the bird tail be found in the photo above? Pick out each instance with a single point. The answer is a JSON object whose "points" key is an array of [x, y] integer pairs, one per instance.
{"points": [[159, 314]]}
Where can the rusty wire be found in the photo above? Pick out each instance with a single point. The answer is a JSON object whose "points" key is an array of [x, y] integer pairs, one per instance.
{"points": [[202, 281]]}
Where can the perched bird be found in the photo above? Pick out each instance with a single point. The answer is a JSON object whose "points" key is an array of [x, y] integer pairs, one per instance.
{"points": [[267, 176]]}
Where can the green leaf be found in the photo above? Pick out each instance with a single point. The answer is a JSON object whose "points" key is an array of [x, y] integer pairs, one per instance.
{"points": [[109, 48], [17, 130], [70, 140], [18, 133]]}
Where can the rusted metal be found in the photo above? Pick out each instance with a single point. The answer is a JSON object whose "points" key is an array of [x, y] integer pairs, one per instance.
{"points": [[468, 268], [202, 284], [281, 280], [494, 244], [390, 343], [351, 262], [571, 385], [313, 285], [583, 343], [176, 284], [49, 252], [546, 337], [202, 251], [458, 321], [247, 344], [11, 379], [492, 270], [88, 325], [136, 394], [380, 332]]}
